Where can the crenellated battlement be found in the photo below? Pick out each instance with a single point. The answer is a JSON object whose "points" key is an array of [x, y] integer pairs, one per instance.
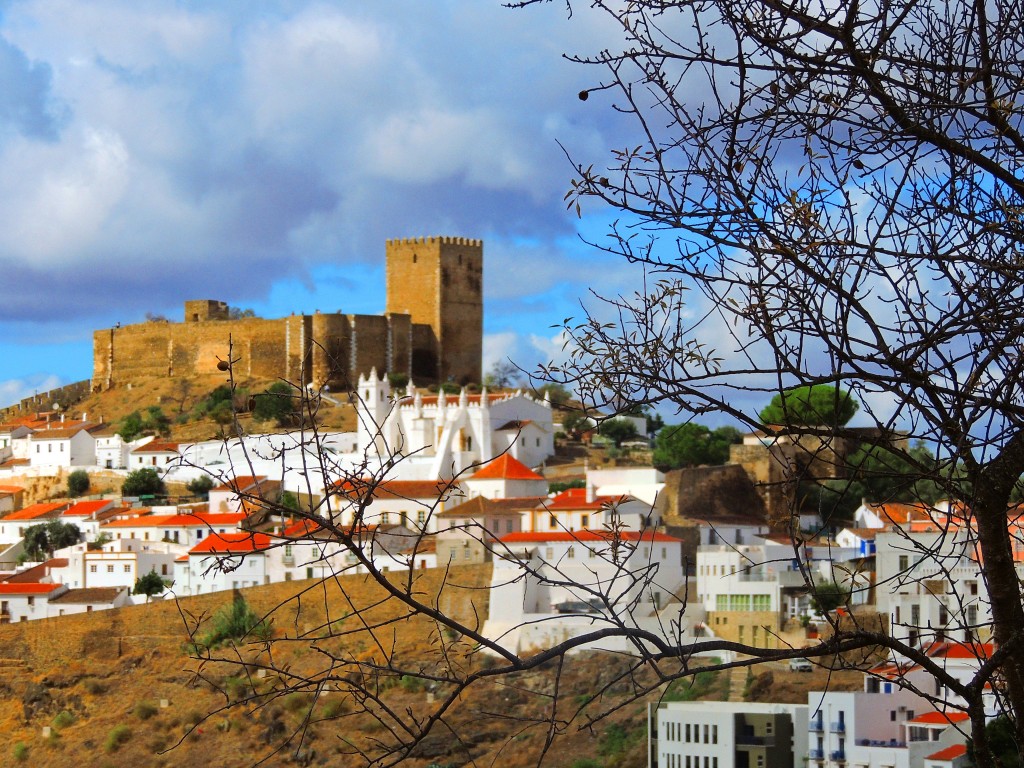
{"points": [[436, 240]]}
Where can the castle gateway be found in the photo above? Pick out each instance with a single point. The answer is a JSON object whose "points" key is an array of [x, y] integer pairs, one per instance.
{"points": [[431, 330]]}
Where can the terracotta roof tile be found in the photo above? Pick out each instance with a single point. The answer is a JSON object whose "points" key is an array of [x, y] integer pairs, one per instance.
{"points": [[89, 595], [45, 509], [27, 588], [232, 543], [940, 718], [526, 537], [505, 467], [949, 753]]}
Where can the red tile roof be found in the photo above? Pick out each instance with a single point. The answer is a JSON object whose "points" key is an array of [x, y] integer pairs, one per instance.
{"points": [[241, 483], [949, 753], [940, 718], [87, 508], [395, 489], [232, 543], [505, 467], [63, 431], [198, 520], [27, 588], [44, 509], [576, 498], [11, 489], [37, 572], [157, 446], [525, 537]]}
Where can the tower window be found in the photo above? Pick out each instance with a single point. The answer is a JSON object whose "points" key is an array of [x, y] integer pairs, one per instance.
{"points": [[414, 258]]}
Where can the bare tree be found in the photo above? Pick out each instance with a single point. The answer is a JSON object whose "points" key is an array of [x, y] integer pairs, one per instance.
{"points": [[825, 193], [820, 194]]}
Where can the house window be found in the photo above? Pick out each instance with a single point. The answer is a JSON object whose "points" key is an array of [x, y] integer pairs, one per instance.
{"points": [[385, 518], [163, 569], [31, 601], [128, 568], [904, 562], [421, 516], [552, 521], [508, 526], [572, 553], [110, 569], [584, 521], [92, 569], [549, 553]]}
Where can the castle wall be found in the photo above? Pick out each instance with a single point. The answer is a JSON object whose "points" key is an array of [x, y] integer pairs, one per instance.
{"points": [[432, 330]]}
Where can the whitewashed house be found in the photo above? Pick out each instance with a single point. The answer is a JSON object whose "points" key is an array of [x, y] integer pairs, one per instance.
{"points": [[26, 601], [549, 587], [63, 445], [223, 561]]}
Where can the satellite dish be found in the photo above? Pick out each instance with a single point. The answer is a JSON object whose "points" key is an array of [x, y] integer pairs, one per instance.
{"points": [[56, 406]]}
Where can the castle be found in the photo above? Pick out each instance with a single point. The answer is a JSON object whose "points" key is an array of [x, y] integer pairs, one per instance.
{"points": [[431, 331]]}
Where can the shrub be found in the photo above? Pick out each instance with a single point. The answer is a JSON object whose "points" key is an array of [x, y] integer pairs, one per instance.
{"points": [[93, 686], [297, 702], [63, 720], [411, 684], [145, 710], [119, 736], [78, 483], [20, 752], [236, 621]]}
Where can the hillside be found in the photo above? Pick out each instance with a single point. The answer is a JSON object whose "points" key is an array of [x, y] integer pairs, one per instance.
{"points": [[98, 681]]}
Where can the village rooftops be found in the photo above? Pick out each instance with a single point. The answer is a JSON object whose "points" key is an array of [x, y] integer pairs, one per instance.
{"points": [[64, 430], [38, 511], [505, 467], [89, 508], [89, 595], [157, 446], [37, 572], [232, 544], [394, 489], [28, 588], [479, 505], [178, 520], [576, 498], [538, 537], [940, 718]]}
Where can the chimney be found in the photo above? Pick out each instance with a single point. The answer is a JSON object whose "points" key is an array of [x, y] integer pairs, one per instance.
{"points": [[591, 494]]}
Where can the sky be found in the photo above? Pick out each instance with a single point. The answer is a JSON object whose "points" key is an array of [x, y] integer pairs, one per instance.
{"points": [[261, 154]]}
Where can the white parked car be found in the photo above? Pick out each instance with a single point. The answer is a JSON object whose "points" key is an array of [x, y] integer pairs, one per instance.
{"points": [[800, 665]]}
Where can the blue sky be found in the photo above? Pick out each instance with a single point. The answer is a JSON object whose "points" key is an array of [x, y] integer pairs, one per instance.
{"points": [[261, 153]]}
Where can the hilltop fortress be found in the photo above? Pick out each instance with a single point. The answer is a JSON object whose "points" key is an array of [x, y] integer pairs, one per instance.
{"points": [[431, 330]]}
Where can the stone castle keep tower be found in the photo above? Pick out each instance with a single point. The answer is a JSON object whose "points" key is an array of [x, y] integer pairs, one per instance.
{"points": [[432, 331]]}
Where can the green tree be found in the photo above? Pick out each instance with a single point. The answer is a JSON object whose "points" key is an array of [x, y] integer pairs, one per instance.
{"points": [[290, 501], [575, 423], [200, 486], [78, 483], [618, 430], [556, 393], [693, 445], [810, 406], [43, 539], [828, 596], [999, 734], [149, 585], [156, 421], [130, 427], [143, 482], [278, 403]]}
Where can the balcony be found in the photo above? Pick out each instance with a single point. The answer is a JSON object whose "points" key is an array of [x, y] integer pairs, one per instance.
{"points": [[837, 727], [755, 741], [816, 754], [839, 756], [816, 725]]}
